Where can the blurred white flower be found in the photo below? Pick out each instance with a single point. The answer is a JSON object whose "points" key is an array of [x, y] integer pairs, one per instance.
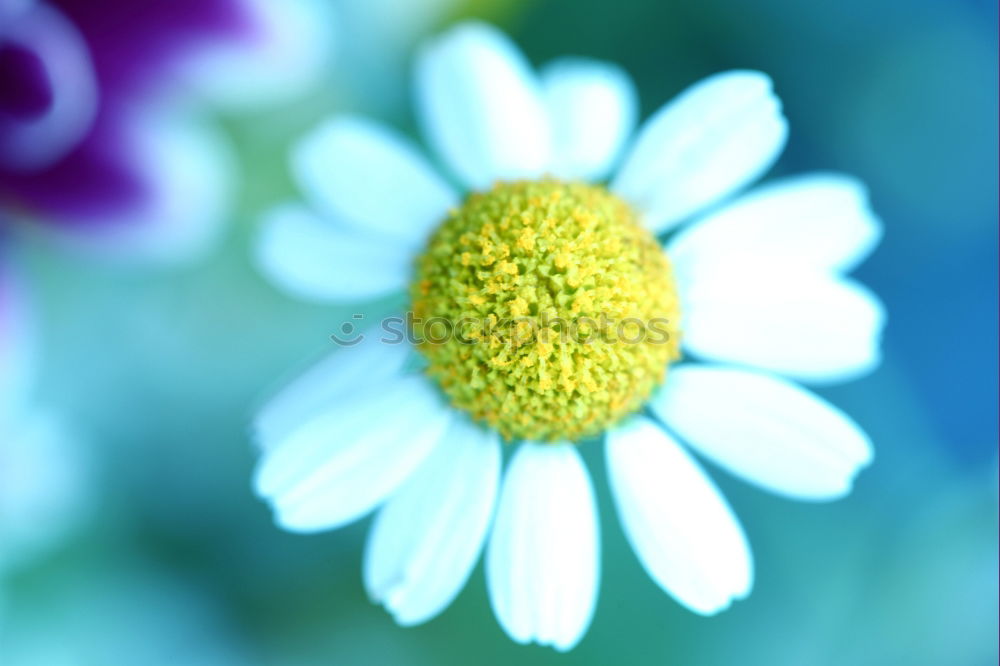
{"points": [[765, 301], [375, 40], [43, 473], [293, 46]]}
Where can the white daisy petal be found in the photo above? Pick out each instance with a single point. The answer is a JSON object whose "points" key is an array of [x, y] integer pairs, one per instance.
{"points": [[481, 106], [372, 177], [764, 429], [592, 107], [679, 525], [800, 323], [542, 563], [717, 136], [427, 538], [341, 464], [314, 259], [821, 220], [370, 361]]}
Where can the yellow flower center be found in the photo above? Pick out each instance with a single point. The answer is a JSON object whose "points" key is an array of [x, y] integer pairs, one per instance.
{"points": [[545, 310]]}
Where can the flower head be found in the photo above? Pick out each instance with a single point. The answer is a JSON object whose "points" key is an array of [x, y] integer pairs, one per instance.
{"points": [[543, 270], [96, 131], [752, 295]]}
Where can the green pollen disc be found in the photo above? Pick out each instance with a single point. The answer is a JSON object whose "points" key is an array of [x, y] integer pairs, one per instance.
{"points": [[545, 309]]}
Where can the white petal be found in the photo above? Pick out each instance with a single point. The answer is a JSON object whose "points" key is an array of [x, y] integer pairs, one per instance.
{"points": [[800, 323], [481, 106], [542, 563], [592, 107], [372, 177], [370, 361], [678, 523], [315, 259], [341, 464], [822, 220], [427, 538], [764, 429], [717, 136], [46, 484], [291, 46]]}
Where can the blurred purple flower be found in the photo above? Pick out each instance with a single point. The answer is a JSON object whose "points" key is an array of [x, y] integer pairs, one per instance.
{"points": [[96, 133]]}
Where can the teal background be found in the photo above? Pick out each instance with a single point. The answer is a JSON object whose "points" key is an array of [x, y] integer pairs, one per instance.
{"points": [[159, 372]]}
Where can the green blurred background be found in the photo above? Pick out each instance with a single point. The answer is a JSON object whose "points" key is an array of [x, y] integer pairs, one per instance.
{"points": [[159, 373]]}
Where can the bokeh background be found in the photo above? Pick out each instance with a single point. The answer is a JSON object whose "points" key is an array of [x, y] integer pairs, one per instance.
{"points": [[157, 371]]}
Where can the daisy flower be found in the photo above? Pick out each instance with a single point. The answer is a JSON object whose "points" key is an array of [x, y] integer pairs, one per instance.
{"points": [[102, 134], [745, 301]]}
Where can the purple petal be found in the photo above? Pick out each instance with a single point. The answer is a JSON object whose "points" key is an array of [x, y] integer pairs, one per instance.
{"points": [[135, 50], [133, 44]]}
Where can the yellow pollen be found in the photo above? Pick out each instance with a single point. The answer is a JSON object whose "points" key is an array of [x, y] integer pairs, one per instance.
{"points": [[563, 306]]}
